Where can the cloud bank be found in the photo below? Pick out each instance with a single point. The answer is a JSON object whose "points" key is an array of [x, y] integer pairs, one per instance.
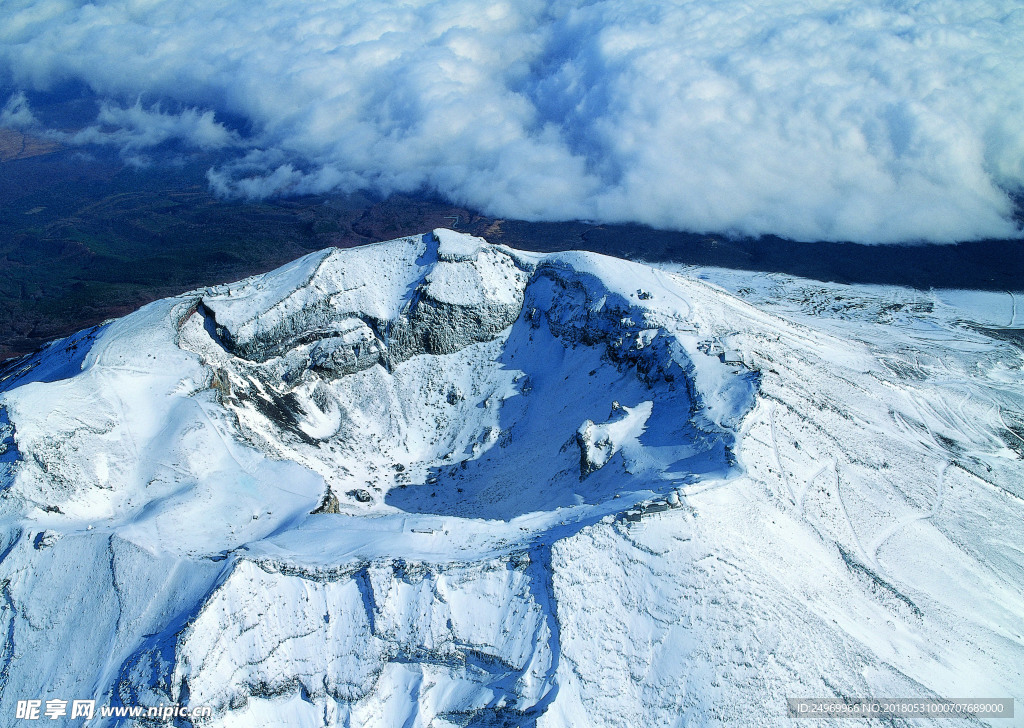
{"points": [[866, 120]]}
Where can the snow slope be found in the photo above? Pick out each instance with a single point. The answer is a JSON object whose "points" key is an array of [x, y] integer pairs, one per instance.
{"points": [[436, 482]]}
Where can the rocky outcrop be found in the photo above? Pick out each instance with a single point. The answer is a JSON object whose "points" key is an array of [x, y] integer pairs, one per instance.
{"points": [[579, 309], [8, 448], [353, 349], [439, 327], [459, 291], [412, 641], [596, 448]]}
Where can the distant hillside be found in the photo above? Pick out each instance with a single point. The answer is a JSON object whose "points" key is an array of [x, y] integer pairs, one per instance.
{"points": [[84, 238], [15, 145]]}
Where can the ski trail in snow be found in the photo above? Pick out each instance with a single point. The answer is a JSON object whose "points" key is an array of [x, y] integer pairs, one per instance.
{"points": [[1005, 426], [846, 514], [122, 411], [885, 535], [778, 459], [231, 453], [807, 487], [227, 448], [669, 284]]}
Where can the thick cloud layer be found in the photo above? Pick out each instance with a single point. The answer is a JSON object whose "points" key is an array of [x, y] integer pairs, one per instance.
{"points": [[866, 120]]}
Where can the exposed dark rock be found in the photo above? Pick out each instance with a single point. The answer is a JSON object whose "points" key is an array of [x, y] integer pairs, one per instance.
{"points": [[329, 504]]}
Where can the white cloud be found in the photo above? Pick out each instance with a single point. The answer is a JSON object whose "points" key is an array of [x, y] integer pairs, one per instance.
{"points": [[875, 121], [16, 112], [135, 128]]}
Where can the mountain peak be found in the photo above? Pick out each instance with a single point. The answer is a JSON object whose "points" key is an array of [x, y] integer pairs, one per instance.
{"points": [[438, 480]]}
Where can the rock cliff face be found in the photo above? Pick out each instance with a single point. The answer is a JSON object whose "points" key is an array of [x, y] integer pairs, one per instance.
{"points": [[449, 294], [435, 482], [8, 447], [451, 642]]}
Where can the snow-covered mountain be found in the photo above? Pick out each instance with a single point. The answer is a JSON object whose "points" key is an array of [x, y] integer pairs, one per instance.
{"points": [[436, 482]]}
